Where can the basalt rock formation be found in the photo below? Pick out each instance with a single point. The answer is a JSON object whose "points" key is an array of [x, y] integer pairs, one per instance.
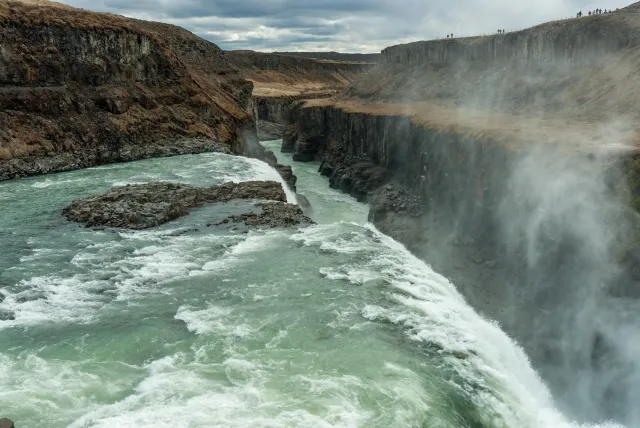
{"points": [[510, 164], [282, 81], [281, 75], [142, 206], [336, 56], [79, 88]]}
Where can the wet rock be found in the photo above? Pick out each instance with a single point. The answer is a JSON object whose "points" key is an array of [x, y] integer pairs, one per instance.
{"points": [[287, 175], [304, 203], [6, 423], [142, 206], [289, 139], [305, 151], [101, 154], [80, 89], [270, 158], [269, 130], [270, 215]]}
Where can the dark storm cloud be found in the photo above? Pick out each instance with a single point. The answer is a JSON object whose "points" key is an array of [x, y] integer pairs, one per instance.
{"points": [[247, 8], [345, 25]]}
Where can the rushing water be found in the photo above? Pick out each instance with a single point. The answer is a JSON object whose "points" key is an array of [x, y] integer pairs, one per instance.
{"points": [[183, 325]]}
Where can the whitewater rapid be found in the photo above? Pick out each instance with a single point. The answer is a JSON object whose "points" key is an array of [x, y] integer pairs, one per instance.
{"points": [[335, 325]]}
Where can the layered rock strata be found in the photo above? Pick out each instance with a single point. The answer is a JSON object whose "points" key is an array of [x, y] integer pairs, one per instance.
{"points": [[80, 88]]}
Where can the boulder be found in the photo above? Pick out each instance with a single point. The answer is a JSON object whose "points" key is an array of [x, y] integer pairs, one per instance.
{"points": [[6, 423], [269, 215], [141, 206], [287, 175]]}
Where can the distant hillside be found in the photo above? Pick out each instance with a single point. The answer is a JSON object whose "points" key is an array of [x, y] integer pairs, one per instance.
{"points": [[335, 56], [285, 75]]}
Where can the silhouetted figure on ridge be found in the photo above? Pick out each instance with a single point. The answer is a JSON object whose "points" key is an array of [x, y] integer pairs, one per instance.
{"points": [[589, 13]]}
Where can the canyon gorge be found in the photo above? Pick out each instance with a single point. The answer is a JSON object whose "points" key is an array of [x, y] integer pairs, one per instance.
{"points": [[508, 164]]}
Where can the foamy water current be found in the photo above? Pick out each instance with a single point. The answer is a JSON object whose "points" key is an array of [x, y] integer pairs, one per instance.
{"points": [[335, 325]]}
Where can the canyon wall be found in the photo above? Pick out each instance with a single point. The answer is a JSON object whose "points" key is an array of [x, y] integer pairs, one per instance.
{"points": [[580, 70], [282, 81], [518, 231], [290, 64], [511, 167], [579, 40], [79, 88], [336, 56]]}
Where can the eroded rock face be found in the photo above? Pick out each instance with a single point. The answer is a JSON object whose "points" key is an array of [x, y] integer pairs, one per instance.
{"points": [[463, 204], [268, 131], [6, 423], [80, 88], [270, 215], [143, 206]]}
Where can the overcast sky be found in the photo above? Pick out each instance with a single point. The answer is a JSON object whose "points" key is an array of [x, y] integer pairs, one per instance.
{"points": [[341, 25]]}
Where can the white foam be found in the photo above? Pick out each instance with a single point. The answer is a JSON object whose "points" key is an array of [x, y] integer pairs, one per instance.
{"points": [[55, 390], [177, 392], [213, 319], [51, 298], [262, 171], [129, 268], [432, 311], [47, 182]]}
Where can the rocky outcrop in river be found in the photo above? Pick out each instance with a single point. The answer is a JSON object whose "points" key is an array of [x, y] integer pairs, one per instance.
{"points": [[6, 423], [142, 206]]}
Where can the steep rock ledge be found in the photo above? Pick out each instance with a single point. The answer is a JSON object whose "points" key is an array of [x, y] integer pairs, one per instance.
{"points": [[580, 40], [485, 212], [79, 88]]}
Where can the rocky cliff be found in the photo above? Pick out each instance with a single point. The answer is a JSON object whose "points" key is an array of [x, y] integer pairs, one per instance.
{"points": [[578, 69], [79, 88], [281, 81], [336, 56], [543, 240], [511, 168]]}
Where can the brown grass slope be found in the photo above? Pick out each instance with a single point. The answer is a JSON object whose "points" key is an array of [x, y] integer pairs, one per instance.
{"points": [[275, 75], [73, 80], [572, 80]]}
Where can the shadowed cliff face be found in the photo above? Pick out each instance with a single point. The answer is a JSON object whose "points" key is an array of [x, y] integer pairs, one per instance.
{"points": [[540, 238], [82, 88]]}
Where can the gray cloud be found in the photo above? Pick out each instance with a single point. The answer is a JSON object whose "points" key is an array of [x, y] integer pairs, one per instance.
{"points": [[342, 25]]}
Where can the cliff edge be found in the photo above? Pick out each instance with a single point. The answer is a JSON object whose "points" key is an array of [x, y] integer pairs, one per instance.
{"points": [[80, 88], [276, 75], [510, 164]]}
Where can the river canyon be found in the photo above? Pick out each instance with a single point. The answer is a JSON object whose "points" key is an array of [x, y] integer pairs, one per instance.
{"points": [[471, 260]]}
